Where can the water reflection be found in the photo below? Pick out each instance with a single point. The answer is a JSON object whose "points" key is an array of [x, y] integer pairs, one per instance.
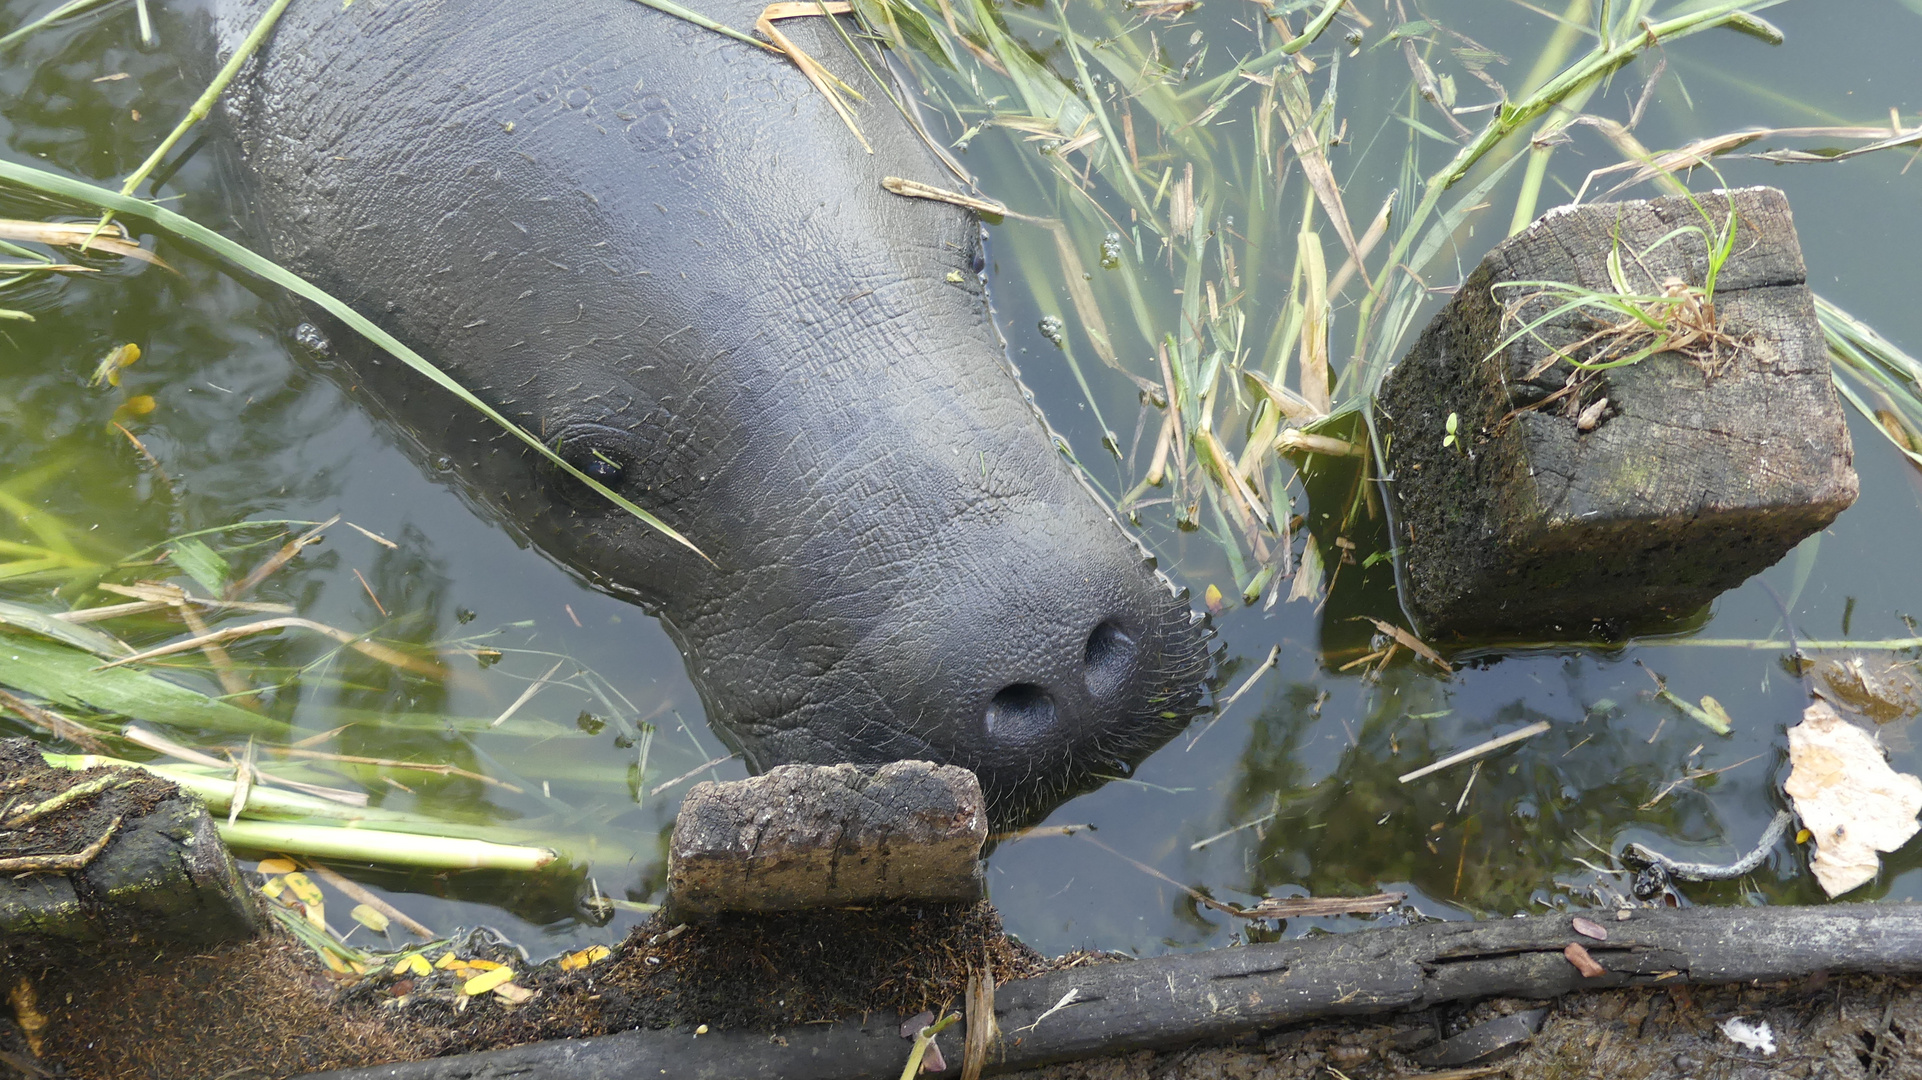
{"points": [[1301, 776]]}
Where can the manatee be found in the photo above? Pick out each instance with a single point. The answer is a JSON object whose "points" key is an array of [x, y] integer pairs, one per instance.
{"points": [[660, 249]]}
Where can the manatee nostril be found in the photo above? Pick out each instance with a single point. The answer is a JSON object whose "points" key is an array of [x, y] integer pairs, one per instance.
{"points": [[1020, 712], [1109, 659]]}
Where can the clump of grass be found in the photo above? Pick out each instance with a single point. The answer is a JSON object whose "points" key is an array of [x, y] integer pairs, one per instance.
{"points": [[1624, 326]]}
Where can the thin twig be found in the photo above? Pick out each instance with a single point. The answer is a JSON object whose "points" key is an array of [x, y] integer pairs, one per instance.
{"points": [[1694, 871], [49, 864], [353, 890], [532, 689], [59, 726], [372, 649], [690, 774], [1478, 750], [1274, 656]]}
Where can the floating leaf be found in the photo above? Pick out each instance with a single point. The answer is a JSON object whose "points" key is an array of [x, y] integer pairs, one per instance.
{"points": [[274, 887], [135, 406], [309, 895], [1848, 798], [1720, 715], [370, 917], [1719, 724], [276, 866]]}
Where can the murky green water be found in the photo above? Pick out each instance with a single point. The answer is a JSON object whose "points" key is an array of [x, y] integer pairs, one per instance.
{"points": [[1293, 790]]}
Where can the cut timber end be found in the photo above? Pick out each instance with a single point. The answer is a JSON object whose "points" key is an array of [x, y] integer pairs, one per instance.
{"points": [[134, 859], [1636, 513], [804, 836]]}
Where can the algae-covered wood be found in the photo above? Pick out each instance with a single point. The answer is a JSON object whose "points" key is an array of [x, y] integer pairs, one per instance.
{"points": [[1565, 499]]}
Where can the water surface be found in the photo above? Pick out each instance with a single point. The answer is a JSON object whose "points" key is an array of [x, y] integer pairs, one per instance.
{"points": [[1292, 790]]}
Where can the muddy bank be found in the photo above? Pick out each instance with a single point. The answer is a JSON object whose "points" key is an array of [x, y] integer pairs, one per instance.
{"points": [[268, 1008]]}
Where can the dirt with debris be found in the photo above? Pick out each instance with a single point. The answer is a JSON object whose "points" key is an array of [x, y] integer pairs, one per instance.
{"points": [[1833, 1029], [263, 1008], [806, 967], [268, 1008]]}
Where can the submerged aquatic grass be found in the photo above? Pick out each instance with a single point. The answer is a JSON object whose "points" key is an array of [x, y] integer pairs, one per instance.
{"points": [[67, 656]]}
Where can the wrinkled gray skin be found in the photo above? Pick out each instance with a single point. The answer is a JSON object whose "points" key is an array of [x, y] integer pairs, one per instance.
{"points": [[661, 250]]}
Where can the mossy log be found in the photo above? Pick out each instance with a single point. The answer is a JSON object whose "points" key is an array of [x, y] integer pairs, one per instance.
{"points": [[1623, 498], [1168, 1001], [110, 854]]}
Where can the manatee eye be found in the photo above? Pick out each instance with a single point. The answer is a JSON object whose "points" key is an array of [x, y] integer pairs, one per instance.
{"points": [[601, 452], [604, 468]]}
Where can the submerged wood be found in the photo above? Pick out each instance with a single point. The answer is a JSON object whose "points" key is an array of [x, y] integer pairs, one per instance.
{"points": [[1170, 1001], [1537, 498]]}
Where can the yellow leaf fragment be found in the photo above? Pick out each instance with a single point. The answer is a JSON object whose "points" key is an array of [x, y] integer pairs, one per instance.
{"points": [[277, 866], [308, 894], [486, 980], [108, 370], [448, 960], [273, 888], [413, 964], [483, 965], [26, 1012], [593, 954], [135, 406], [1716, 712]]}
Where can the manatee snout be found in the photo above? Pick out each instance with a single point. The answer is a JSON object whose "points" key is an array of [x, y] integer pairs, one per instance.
{"points": [[1043, 650]]}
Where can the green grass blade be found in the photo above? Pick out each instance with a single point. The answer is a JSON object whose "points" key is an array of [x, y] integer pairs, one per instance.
{"points": [[68, 676]]}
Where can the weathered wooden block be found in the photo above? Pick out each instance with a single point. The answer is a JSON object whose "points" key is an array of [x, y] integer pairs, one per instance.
{"points": [[1551, 512], [804, 836], [161, 875]]}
